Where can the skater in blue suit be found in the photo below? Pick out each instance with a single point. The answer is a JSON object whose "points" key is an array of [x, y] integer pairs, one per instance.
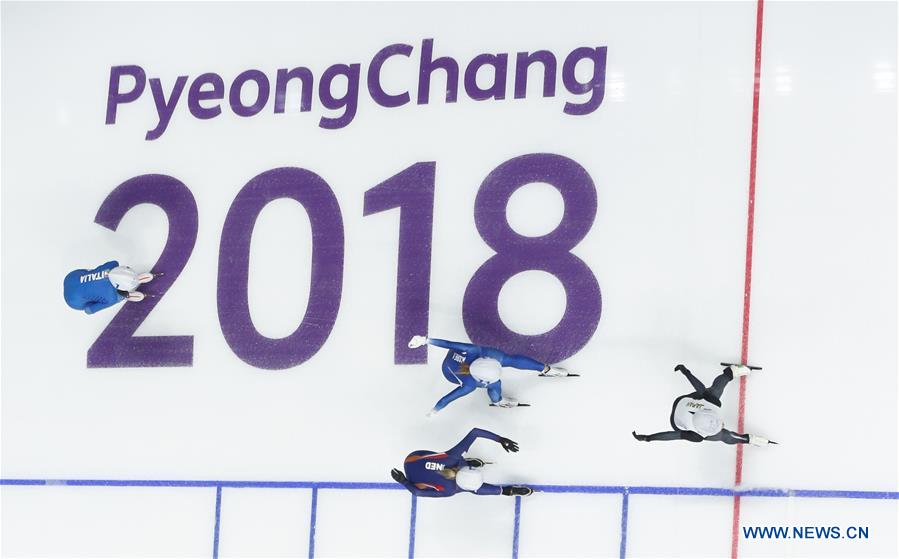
{"points": [[473, 366], [104, 286], [443, 474]]}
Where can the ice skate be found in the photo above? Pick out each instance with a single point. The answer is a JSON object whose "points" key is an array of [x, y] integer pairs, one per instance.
{"points": [[517, 491], [556, 371], [739, 370], [509, 403], [756, 440], [735, 366]]}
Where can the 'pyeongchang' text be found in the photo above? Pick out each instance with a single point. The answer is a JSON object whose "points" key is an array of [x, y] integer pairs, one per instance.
{"points": [[206, 92]]}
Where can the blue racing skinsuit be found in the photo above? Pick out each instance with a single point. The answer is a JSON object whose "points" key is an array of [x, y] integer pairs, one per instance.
{"points": [[423, 469], [90, 290], [460, 356]]}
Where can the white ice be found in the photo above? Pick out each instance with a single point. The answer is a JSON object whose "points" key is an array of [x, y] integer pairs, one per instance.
{"points": [[669, 152]]}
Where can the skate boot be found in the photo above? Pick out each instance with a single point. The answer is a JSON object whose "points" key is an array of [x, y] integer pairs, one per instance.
{"points": [[556, 371], [738, 370], [508, 403], [517, 491], [756, 440]]}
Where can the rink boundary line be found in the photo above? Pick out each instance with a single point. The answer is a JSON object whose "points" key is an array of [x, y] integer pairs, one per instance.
{"points": [[625, 491], [358, 485], [747, 278], [218, 522]]}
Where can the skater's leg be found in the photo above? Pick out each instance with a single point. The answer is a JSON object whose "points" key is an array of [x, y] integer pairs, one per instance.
{"points": [[488, 489], [674, 436], [697, 384], [522, 362], [495, 391], [729, 437], [719, 383]]}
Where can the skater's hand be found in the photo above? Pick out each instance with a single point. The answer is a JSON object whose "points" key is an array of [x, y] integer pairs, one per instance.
{"points": [[417, 341], [681, 369], [508, 444], [398, 476], [643, 438], [431, 413]]}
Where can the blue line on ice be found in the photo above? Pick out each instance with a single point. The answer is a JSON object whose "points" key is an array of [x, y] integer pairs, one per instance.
{"points": [[620, 489]]}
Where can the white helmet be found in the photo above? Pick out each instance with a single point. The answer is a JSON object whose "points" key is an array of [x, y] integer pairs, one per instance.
{"points": [[706, 422], [123, 278], [485, 369], [469, 479]]}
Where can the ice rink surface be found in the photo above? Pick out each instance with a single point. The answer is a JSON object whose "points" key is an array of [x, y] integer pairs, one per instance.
{"points": [[668, 151]]}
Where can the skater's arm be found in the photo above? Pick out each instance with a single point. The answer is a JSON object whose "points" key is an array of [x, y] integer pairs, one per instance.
{"points": [[455, 346], [697, 384], [508, 444], [91, 308], [455, 394], [495, 391]]}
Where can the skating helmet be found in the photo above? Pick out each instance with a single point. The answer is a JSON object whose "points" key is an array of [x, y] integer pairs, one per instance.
{"points": [[485, 369], [469, 479], [123, 278], [707, 423]]}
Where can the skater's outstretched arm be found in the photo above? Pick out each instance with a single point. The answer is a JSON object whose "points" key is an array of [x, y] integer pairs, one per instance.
{"points": [[670, 436], [697, 384], [455, 346], [463, 446]]}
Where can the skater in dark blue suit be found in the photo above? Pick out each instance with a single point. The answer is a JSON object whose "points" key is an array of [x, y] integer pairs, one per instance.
{"points": [[104, 286], [473, 366], [443, 474]]}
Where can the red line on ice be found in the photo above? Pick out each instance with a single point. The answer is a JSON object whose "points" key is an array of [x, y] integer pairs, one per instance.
{"points": [[747, 285]]}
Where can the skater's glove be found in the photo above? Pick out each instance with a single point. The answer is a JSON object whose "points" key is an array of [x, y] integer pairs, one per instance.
{"points": [[398, 476], [417, 341], [643, 438], [431, 413], [508, 444], [681, 369]]}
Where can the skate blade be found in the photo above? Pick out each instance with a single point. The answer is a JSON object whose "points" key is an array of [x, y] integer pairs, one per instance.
{"points": [[750, 367], [518, 406]]}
